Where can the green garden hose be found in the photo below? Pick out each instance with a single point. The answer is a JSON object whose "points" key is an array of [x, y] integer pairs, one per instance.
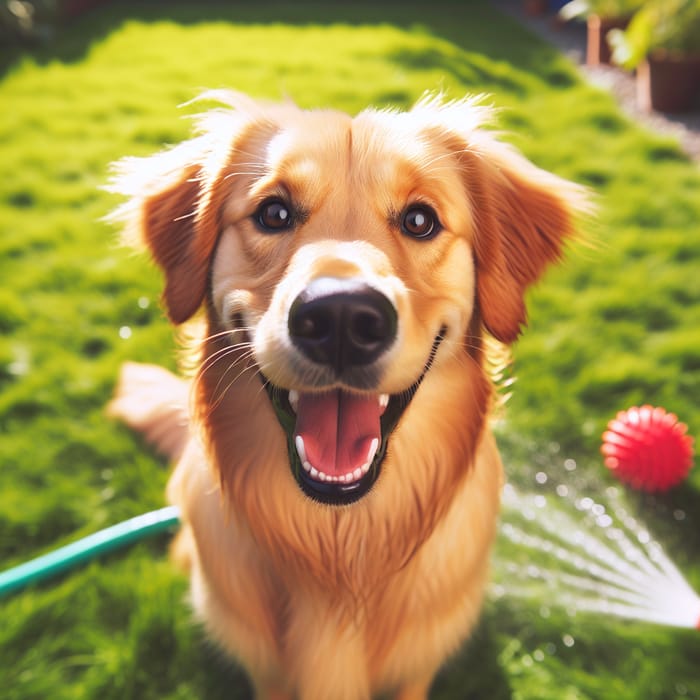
{"points": [[88, 548]]}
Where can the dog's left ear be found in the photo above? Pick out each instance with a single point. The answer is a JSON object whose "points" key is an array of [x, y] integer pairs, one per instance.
{"points": [[522, 218]]}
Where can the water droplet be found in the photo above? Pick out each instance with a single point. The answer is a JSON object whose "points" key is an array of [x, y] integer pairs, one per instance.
{"points": [[615, 534], [681, 689], [568, 640], [527, 661], [644, 537], [540, 501], [570, 465], [620, 513], [541, 478], [551, 649], [679, 515], [538, 655], [18, 368], [562, 490], [655, 552], [143, 302], [125, 332], [612, 492], [604, 521], [584, 503], [498, 591], [545, 612]]}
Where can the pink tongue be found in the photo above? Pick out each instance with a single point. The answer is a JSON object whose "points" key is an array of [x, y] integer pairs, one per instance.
{"points": [[338, 429]]}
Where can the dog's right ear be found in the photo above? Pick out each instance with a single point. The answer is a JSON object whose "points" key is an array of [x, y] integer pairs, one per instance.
{"points": [[175, 198], [170, 211], [168, 221]]}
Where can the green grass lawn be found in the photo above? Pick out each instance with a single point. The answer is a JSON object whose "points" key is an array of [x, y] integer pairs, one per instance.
{"points": [[618, 324]]}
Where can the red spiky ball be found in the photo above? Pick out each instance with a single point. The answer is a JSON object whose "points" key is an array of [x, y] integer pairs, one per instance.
{"points": [[648, 448]]}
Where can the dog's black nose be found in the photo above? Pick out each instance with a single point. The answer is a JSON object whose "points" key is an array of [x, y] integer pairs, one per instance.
{"points": [[342, 323]]}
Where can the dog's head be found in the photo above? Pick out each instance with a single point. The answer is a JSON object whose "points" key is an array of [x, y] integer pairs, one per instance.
{"points": [[345, 260]]}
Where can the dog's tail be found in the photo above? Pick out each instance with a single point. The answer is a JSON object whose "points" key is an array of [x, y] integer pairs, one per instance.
{"points": [[154, 402]]}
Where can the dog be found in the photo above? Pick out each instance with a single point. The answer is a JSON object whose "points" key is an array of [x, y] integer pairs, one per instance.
{"points": [[336, 474]]}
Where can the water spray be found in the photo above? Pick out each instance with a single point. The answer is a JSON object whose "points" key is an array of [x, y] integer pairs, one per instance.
{"points": [[603, 559]]}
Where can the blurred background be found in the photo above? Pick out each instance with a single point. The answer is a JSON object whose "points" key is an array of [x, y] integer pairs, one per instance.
{"points": [[85, 82]]}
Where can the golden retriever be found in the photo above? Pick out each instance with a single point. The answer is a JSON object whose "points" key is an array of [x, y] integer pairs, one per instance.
{"points": [[338, 481]]}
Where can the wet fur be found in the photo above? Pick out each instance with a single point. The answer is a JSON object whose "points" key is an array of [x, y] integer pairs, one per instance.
{"points": [[317, 601]]}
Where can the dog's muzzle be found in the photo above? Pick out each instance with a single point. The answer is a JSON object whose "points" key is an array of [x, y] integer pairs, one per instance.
{"points": [[338, 431]]}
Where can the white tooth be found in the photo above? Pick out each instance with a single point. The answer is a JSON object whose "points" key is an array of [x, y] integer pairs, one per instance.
{"points": [[294, 400], [372, 450], [301, 450], [307, 466], [321, 476], [365, 467], [357, 474], [314, 472], [384, 400]]}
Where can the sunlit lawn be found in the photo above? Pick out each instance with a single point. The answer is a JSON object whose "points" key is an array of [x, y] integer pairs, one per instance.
{"points": [[618, 324]]}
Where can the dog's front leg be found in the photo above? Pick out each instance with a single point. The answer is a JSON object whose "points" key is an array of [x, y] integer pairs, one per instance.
{"points": [[326, 649]]}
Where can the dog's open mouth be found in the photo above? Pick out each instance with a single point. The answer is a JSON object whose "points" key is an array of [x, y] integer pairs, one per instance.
{"points": [[337, 439]]}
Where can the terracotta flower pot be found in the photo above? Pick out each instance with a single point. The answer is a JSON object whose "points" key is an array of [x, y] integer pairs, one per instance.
{"points": [[668, 82], [597, 47]]}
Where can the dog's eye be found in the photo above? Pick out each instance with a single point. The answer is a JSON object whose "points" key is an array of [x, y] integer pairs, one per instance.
{"points": [[419, 221], [273, 215]]}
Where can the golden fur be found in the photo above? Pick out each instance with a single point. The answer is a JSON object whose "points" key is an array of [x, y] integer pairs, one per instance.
{"points": [[321, 601]]}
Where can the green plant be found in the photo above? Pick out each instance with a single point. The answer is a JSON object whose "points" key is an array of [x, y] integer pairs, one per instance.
{"points": [[669, 25], [601, 8]]}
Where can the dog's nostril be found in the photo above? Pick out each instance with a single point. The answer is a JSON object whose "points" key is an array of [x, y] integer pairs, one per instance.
{"points": [[368, 327], [350, 325], [311, 324]]}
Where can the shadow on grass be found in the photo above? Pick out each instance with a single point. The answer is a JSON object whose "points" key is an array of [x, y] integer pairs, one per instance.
{"points": [[220, 678], [473, 674], [470, 25]]}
